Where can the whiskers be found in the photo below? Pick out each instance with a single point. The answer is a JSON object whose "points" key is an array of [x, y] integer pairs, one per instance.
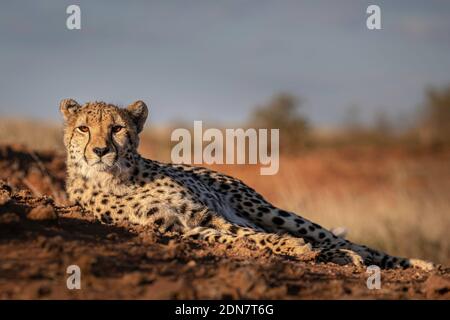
{"points": [[119, 168]]}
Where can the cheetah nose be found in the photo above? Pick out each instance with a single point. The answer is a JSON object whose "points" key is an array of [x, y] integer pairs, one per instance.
{"points": [[100, 151]]}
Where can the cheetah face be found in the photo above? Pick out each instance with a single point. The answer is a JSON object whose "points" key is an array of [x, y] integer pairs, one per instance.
{"points": [[100, 136]]}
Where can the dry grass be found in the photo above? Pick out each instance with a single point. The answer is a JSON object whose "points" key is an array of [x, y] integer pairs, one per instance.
{"points": [[34, 134]]}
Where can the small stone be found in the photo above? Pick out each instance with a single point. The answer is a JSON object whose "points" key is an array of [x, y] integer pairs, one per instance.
{"points": [[4, 198], [191, 264], [9, 218], [24, 193], [42, 213], [43, 291], [437, 287], [4, 187], [112, 236], [134, 278]]}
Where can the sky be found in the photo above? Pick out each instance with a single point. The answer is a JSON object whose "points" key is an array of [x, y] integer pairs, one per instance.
{"points": [[216, 60]]}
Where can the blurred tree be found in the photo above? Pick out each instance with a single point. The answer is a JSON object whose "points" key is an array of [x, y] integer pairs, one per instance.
{"points": [[380, 131], [281, 112], [352, 119], [382, 124], [434, 123]]}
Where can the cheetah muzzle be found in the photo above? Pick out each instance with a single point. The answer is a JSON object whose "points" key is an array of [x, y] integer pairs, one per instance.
{"points": [[107, 177]]}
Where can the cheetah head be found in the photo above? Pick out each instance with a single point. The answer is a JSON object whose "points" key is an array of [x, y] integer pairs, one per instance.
{"points": [[101, 137]]}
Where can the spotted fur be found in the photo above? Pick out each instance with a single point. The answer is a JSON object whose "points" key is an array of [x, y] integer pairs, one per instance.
{"points": [[108, 177]]}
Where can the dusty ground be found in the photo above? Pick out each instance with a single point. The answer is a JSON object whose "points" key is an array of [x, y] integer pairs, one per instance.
{"points": [[40, 238]]}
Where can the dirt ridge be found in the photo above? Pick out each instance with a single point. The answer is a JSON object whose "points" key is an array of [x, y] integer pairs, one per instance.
{"points": [[41, 236]]}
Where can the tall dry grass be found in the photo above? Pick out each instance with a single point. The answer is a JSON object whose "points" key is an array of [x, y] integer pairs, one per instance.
{"points": [[39, 135]]}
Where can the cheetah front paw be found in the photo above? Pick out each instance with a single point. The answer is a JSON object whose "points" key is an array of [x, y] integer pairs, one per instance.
{"points": [[341, 257], [295, 247]]}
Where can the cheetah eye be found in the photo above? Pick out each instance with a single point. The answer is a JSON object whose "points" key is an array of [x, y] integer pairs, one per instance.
{"points": [[116, 129], [83, 129]]}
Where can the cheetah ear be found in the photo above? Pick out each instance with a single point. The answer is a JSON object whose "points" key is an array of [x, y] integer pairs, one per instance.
{"points": [[138, 112], [68, 107]]}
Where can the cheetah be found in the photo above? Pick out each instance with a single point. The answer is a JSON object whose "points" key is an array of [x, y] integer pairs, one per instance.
{"points": [[107, 177]]}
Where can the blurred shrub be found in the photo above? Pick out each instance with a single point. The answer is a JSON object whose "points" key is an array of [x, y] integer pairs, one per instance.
{"points": [[381, 130], [434, 120], [282, 112]]}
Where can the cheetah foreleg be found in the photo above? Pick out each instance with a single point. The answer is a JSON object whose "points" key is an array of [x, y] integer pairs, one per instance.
{"points": [[279, 244]]}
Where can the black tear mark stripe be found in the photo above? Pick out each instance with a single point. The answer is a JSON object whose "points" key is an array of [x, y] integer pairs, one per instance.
{"points": [[116, 149], [85, 147]]}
